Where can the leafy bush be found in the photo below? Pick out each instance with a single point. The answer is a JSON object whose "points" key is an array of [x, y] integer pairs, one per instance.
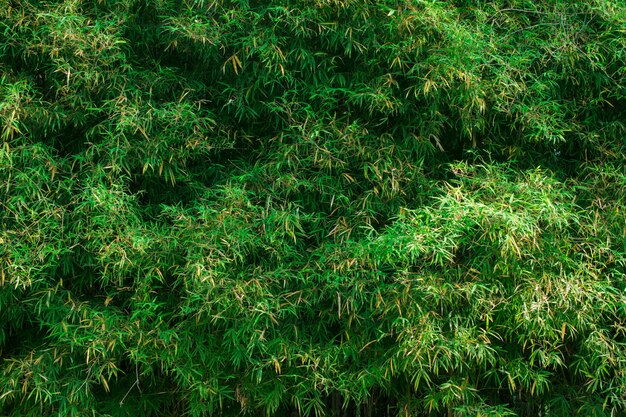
{"points": [[340, 208]]}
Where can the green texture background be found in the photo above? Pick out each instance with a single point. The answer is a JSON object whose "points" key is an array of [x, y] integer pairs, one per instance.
{"points": [[312, 208]]}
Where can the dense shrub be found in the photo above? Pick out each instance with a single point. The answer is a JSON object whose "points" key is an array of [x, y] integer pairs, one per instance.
{"points": [[309, 208]]}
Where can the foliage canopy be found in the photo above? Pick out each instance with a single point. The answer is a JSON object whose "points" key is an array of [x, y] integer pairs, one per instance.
{"points": [[312, 208]]}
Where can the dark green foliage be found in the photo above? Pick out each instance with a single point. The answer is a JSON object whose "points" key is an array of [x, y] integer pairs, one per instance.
{"points": [[312, 208]]}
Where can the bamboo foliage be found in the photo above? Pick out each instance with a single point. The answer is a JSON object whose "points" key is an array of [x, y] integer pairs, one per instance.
{"points": [[327, 208]]}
